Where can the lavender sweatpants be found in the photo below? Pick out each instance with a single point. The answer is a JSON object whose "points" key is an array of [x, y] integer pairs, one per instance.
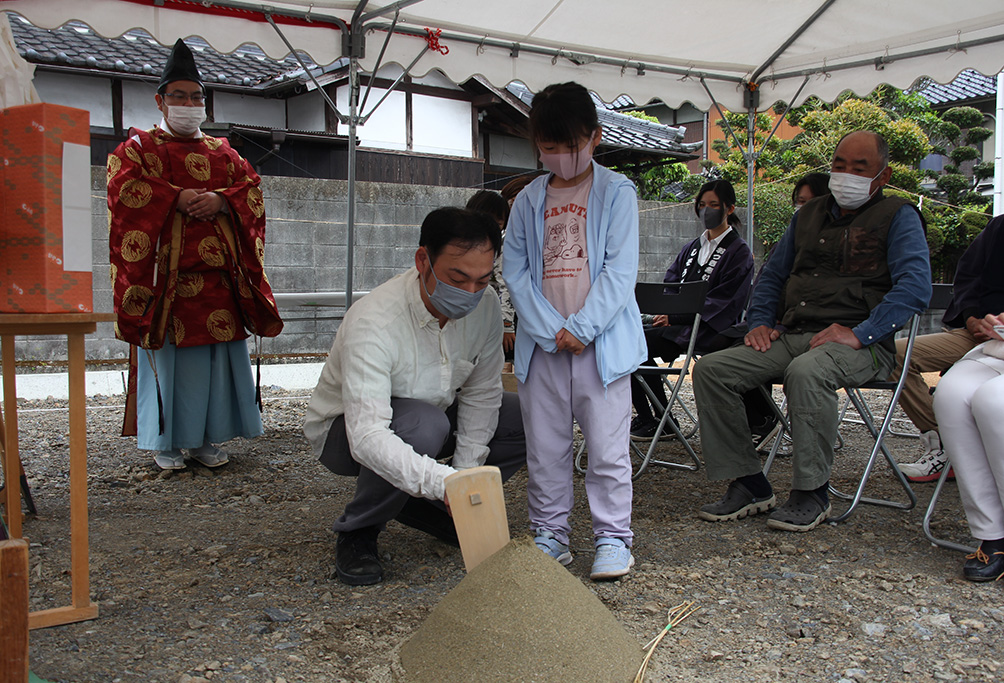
{"points": [[561, 387]]}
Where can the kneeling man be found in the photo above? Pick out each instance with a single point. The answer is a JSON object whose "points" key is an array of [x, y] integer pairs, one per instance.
{"points": [[414, 377]]}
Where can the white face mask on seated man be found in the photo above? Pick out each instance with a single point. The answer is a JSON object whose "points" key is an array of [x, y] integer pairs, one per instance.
{"points": [[851, 191]]}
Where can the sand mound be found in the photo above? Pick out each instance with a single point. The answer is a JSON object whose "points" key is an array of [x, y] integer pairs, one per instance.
{"points": [[520, 616]]}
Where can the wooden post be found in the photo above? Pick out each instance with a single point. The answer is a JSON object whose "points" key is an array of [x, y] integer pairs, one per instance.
{"points": [[12, 458], [14, 611]]}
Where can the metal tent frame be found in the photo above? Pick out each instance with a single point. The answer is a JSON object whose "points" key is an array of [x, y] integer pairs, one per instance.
{"points": [[887, 55]]}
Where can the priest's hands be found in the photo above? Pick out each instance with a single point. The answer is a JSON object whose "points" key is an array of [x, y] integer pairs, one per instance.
{"points": [[200, 204]]}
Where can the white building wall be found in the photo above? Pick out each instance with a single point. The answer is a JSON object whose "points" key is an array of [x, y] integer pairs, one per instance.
{"points": [[441, 126], [139, 109], [81, 92], [306, 112], [385, 129], [511, 152], [252, 111]]}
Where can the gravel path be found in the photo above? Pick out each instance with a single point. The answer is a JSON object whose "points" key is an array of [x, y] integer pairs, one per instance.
{"points": [[226, 575]]}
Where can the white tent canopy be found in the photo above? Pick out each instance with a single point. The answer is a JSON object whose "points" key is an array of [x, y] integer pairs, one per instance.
{"points": [[742, 54], [642, 48]]}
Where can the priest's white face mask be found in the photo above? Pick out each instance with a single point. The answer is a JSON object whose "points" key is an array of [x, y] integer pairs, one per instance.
{"points": [[185, 121]]}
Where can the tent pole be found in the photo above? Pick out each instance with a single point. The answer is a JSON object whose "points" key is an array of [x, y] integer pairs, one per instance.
{"points": [[751, 155], [999, 144], [351, 217]]}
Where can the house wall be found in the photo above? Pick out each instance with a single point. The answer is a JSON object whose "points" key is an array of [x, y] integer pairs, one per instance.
{"points": [[306, 251], [139, 108], [82, 92]]}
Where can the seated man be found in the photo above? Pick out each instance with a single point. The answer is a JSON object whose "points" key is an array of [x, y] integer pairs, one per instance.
{"points": [[721, 258], [974, 296], [415, 376], [850, 270]]}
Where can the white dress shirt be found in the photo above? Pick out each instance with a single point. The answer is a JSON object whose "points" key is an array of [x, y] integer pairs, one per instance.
{"points": [[390, 345], [708, 246]]}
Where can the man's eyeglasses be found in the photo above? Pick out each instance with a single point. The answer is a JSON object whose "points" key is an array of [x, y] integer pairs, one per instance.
{"points": [[197, 98]]}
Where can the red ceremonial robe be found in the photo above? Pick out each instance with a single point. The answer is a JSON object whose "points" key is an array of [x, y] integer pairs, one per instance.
{"points": [[191, 281]]}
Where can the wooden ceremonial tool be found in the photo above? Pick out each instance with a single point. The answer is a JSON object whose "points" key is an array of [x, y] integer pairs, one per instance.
{"points": [[478, 509]]}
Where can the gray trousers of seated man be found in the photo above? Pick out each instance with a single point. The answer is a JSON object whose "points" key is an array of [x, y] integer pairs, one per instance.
{"points": [[811, 380], [430, 431]]}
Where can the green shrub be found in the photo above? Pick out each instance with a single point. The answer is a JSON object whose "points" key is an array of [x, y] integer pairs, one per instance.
{"points": [[963, 117], [772, 210], [975, 136], [962, 154], [983, 170], [952, 184], [904, 177], [935, 238]]}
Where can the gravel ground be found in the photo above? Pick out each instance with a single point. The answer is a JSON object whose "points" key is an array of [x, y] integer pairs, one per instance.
{"points": [[226, 575]]}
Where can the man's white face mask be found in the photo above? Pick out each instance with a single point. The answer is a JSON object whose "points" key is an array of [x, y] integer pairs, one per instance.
{"points": [[185, 120], [851, 191]]}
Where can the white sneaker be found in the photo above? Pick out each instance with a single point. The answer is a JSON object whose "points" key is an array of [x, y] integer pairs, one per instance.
{"points": [[613, 559], [209, 455], [930, 465], [546, 541], [170, 460]]}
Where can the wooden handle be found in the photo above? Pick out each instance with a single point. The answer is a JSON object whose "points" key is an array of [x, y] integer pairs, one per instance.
{"points": [[478, 508]]}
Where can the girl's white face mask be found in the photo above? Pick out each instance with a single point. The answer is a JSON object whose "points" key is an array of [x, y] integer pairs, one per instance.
{"points": [[185, 121]]}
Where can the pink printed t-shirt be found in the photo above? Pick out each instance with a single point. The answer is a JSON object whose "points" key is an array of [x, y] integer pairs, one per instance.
{"points": [[566, 259]]}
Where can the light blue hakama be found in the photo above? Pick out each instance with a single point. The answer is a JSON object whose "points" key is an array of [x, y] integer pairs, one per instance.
{"points": [[208, 394]]}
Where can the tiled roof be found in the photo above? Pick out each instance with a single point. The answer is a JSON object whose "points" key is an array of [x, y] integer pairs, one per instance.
{"points": [[621, 130], [968, 85], [76, 45]]}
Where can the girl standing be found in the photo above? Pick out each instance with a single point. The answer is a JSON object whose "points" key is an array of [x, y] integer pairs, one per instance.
{"points": [[570, 262]]}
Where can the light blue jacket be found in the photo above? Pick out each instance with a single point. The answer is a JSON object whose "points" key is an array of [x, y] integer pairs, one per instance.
{"points": [[609, 317]]}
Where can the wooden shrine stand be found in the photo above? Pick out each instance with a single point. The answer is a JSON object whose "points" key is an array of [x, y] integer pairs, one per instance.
{"points": [[74, 326]]}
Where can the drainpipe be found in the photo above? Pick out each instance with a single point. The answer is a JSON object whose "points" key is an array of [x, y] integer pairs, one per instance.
{"points": [[999, 147]]}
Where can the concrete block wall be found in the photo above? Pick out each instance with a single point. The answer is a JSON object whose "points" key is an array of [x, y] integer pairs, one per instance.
{"points": [[306, 251]]}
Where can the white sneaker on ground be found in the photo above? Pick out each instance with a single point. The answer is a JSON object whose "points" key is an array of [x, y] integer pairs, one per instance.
{"points": [[930, 465], [209, 455], [613, 559], [546, 541], [170, 460]]}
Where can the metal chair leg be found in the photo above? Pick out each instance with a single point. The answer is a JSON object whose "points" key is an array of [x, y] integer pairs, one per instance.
{"points": [[940, 542], [879, 435]]}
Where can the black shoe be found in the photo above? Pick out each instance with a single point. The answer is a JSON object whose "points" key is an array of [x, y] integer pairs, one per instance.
{"points": [[763, 432], [803, 511], [738, 502], [356, 560], [421, 514], [643, 429], [982, 567]]}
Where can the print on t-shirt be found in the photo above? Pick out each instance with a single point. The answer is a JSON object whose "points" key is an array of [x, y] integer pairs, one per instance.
{"points": [[566, 276]]}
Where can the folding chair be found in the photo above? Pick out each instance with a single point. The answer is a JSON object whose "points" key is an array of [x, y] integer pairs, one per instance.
{"points": [[930, 513], [857, 399], [677, 300], [941, 297]]}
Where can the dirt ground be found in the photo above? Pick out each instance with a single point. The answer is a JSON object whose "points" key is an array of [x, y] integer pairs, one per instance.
{"points": [[226, 575]]}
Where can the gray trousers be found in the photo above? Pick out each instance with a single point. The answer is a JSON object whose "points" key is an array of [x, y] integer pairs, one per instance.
{"points": [[430, 431], [811, 379]]}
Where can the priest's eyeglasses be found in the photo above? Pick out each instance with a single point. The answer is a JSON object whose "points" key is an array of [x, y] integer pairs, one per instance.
{"points": [[177, 97]]}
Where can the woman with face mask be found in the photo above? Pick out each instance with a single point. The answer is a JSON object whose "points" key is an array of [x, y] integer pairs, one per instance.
{"points": [[570, 261], [720, 257]]}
